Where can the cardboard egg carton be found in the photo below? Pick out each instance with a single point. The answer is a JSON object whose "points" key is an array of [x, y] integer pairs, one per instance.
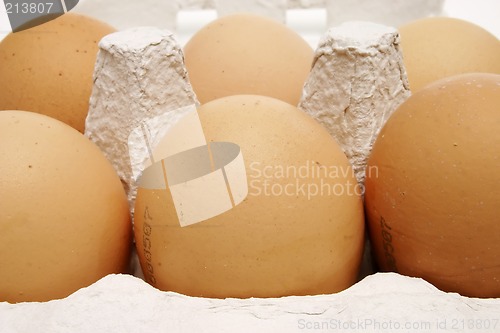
{"points": [[379, 302]]}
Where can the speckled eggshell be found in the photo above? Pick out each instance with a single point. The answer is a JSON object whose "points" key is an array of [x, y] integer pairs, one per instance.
{"points": [[64, 217], [247, 54], [432, 188], [286, 240], [48, 69]]}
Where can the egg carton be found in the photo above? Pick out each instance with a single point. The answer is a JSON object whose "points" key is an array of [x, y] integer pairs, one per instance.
{"points": [[378, 302]]}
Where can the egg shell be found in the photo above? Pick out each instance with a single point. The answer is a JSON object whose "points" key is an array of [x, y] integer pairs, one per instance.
{"points": [[48, 69], [247, 54], [272, 244], [438, 47], [432, 190], [64, 216]]}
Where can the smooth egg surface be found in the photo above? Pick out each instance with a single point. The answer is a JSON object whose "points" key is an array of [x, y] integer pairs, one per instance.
{"points": [[64, 217], [48, 69], [432, 192], [438, 47], [247, 54], [299, 231]]}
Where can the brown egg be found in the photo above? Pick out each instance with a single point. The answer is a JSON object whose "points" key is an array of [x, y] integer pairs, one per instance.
{"points": [[48, 69], [432, 190], [434, 48], [64, 216], [247, 54], [299, 231]]}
